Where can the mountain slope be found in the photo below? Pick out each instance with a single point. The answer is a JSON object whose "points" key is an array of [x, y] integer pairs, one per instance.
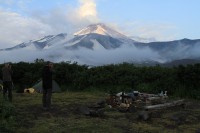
{"points": [[40, 44], [87, 41], [176, 50]]}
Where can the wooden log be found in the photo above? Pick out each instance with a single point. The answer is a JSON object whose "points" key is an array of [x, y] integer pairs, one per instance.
{"points": [[165, 105], [157, 98]]}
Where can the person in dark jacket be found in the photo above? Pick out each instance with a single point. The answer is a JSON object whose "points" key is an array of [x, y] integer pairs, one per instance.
{"points": [[47, 85], [7, 81]]}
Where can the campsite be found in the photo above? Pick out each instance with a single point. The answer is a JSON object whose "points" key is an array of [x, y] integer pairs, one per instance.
{"points": [[99, 66], [83, 101]]}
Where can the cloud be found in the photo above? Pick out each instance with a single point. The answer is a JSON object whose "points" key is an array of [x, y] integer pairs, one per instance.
{"points": [[183, 51], [16, 29], [115, 56], [83, 15], [83, 55], [158, 31], [7, 2], [87, 8], [17, 5]]}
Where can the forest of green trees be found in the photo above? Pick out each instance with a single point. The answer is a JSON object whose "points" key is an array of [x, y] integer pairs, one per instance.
{"points": [[180, 81]]}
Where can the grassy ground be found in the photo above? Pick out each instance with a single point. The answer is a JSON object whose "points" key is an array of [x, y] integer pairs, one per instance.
{"points": [[64, 117]]}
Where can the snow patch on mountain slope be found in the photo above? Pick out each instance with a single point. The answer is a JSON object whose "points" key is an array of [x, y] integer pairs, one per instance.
{"points": [[97, 45], [73, 41]]}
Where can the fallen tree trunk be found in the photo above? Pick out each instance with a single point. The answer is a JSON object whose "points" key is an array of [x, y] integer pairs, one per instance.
{"points": [[165, 105]]}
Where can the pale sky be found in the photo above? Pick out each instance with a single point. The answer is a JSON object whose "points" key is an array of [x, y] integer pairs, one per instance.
{"points": [[164, 20]]}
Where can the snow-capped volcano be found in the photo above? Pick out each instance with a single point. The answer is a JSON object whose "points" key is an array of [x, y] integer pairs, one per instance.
{"points": [[98, 36], [98, 44], [100, 29]]}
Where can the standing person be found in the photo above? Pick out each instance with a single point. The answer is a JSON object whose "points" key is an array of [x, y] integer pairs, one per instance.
{"points": [[47, 85], [7, 81]]}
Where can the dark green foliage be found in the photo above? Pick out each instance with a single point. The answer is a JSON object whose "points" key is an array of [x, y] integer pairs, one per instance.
{"points": [[181, 81], [7, 116], [26, 74]]}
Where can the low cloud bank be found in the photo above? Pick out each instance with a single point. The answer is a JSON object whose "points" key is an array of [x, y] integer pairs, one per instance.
{"points": [[83, 55]]}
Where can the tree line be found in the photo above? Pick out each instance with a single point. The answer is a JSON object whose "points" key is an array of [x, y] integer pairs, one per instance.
{"points": [[179, 81]]}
